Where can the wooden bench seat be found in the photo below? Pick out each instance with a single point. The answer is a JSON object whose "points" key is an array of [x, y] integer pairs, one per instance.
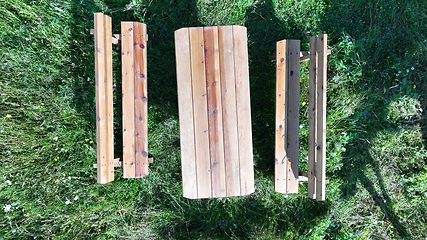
{"points": [[214, 111]]}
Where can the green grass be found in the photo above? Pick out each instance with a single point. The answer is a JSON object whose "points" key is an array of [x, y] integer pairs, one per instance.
{"points": [[377, 123]]}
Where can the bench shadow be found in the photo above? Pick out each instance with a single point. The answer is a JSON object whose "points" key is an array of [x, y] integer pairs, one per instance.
{"points": [[264, 30], [237, 218], [372, 111], [245, 217], [162, 20]]}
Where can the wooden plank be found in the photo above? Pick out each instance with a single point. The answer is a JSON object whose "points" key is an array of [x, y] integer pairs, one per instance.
{"points": [[128, 99], [281, 133], [293, 79], [229, 113], [140, 99], [101, 99], [201, 131], [243, 105], [185, 107], [109, 97], [321, 117], [213, 90], [312, 118]]}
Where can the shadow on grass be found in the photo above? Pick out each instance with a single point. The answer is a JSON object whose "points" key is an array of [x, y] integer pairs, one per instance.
{"points": [[162, 19], [264, 30], [251, 216], [223, 219], [383, 51], [242, 218]]}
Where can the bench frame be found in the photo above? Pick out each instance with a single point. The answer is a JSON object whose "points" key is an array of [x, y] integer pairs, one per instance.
{"points": [[133, 41], [287, 174]]}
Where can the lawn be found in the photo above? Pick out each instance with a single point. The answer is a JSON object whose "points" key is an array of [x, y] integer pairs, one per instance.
{"points": [[376, 123]]}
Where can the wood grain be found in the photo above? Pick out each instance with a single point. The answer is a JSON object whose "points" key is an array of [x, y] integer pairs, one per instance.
{"points": [[312, 111], [201, 131], [321, 118], [243, 105], [103, 88], [109, 97], [128, 96], [293, 79], [213, 89], [140, 100], [281, 123], [229, 113], [185, 107]]}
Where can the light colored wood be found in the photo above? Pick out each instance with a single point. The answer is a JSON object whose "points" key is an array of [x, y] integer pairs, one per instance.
{"points": [[103, 80], [281, 123], [185, 107], [140, 99], [312, 119], [115, 37], [109, 97], [201, 131], [321, 117], [213, 89], [212, 63], [293, 82], [229, 114], [243, 105], [128, 95]]}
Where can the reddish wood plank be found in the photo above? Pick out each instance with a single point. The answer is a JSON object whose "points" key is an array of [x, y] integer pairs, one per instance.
{"points": [[201, 131], [312, 105], [213, 89], [102, 78], [281, 123], [185, 107], [140, 99], [128, 95], [243, 106], [293, 79], [229, 113]]}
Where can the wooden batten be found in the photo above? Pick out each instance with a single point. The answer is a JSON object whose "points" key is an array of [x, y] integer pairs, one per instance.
{"points": [[289, 56], [104, 98], [312, 118], [281, 158], [287, 115], [321, 117], [317, 118], [133, 39], [134, 97], [214, 111]]}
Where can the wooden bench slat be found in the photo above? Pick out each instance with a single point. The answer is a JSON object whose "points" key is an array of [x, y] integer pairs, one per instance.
{"points": [[201, 131], [109, 91], [321, 117], [185, 107], [213, 89], [229, 113], [281, 123], [103, 79], [312, 105], [243, 105], [140, 107], [287, 116], [293, 79], [128, 96]]}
